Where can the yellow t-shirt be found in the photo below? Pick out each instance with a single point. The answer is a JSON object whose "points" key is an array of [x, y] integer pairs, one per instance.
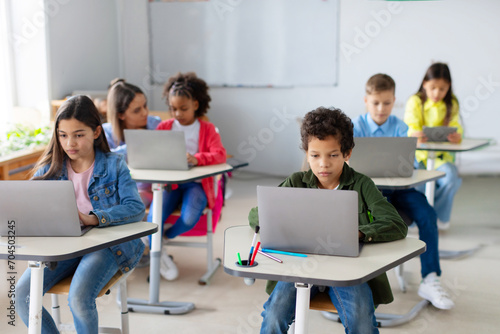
{"points": [[433, 115]]}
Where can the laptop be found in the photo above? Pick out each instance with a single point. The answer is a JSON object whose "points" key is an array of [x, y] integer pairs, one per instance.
{"points": [[313, 221], [149, 149], [438, 133], [39, 209], [384, 156]]}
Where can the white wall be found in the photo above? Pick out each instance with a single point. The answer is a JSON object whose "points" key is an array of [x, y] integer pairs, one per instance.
{"points": [[397, 38], [83, 43]]}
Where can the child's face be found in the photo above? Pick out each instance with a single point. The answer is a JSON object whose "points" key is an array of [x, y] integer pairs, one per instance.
{"points": [[326, 161], [77, 139], [183, 109], [436, 89], [379, 105], [136, 115]]}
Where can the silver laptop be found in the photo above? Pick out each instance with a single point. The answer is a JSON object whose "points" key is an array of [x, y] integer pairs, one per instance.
{"points": [[39, 209], [384, 156], [150, 149], [438, 133], [314, 221]]}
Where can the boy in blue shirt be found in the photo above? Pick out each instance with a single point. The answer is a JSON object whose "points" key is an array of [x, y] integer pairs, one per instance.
{"points": [[379, 122]]}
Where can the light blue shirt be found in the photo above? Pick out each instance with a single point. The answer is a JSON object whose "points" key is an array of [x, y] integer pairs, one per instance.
{"points": [[365, 126], [121, 148]]}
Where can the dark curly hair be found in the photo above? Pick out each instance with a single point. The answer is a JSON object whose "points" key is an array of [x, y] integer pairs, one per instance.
{"points": [[323, 122], [190, 86]]}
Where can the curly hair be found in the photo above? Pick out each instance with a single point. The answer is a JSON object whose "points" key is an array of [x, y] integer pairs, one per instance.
{"points": [[190, 86], [323, 122]]}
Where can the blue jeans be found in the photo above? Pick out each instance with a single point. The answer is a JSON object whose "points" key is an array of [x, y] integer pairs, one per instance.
{"points": [[354, 304], [446, 188], [193, 200], [90, 274], [415, 205]]}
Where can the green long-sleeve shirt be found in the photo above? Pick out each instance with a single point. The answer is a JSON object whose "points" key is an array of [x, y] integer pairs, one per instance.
{"points": [[378, 219]]}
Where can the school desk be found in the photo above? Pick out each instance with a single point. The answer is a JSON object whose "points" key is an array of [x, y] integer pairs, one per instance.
{"points": [[433, 147], [373, 260], [159, 178], [39, 250]]}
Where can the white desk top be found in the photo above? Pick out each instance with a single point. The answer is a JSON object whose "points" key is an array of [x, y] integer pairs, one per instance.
{"points": [[466, 145], [419, 176], [317, 269], [178, 176], [63, 248]]}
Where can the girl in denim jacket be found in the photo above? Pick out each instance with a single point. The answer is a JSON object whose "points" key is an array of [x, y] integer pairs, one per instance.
{"points": [[105, 194]]}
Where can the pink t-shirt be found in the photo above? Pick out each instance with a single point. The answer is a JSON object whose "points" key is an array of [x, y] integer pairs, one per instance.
{"points": [[81, 185]]}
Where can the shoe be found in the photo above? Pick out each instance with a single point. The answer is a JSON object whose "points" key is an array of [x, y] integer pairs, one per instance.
{"points": [[431, 289], [443, 226], [168, 269]]}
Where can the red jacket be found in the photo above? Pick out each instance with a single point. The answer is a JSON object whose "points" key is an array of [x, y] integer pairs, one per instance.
{"points": [[210, 152]]}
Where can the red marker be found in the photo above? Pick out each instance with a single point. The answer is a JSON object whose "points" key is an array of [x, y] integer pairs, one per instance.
{"points": [[255, 252]]}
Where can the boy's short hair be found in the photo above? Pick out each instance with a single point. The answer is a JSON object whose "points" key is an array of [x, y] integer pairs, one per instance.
{"points": [[379, 83], [323, 122]]}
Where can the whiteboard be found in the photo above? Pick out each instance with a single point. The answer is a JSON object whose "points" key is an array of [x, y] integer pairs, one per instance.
{"points": [[247, 43]]}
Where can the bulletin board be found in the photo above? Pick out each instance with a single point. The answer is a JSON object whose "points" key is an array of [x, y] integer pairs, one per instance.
{"points": [[246, 43]]}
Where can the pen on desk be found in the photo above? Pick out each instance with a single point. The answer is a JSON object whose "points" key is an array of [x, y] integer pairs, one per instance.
{"points": [[270, 256], [239, 259], [267, 250], [257, 228], [255, 253]]}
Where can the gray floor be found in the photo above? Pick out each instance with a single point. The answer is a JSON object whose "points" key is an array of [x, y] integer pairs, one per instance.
{"points": [[227, 305]]}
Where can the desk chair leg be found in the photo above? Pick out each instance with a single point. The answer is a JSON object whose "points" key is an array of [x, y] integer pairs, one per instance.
{"points": [[122, 293], [400, 277], [56, 310], [448, 254], [385, 319], [212, 265], [302, 307]]}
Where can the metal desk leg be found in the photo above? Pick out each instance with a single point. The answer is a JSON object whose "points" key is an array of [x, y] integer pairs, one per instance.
{"points": [[36, 295], [430, 187], [154, 305], [429, 193], [302, 307], [386, 319]]}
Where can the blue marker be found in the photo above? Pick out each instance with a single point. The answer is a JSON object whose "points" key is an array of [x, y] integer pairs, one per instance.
{"points": [[267, 250]]}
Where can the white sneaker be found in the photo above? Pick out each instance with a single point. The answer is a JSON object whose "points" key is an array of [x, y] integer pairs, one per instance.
{"points": [[431, 289], [168, 269], [443, 226]]}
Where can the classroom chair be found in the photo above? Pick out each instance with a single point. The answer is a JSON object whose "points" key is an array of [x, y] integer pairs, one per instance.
{"points": [[62, 288], [205, 226]]}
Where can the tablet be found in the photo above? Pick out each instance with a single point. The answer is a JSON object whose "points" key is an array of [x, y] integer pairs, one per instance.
{"points": [[438, 133]]}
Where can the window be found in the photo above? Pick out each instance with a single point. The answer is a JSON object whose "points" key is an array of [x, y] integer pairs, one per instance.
{"points": [[6, 102]]}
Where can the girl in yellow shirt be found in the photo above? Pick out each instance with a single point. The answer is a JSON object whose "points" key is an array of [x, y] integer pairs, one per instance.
{"points": [[435, 105]]}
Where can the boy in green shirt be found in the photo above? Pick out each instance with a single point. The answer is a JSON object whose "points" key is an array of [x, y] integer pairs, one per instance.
{"points": [[327, 139]]}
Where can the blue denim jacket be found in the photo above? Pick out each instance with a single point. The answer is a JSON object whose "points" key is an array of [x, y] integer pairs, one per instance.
{"points": [[115, 200]]}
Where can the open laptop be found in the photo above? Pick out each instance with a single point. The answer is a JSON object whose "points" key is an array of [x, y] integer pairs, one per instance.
{"points": [[39, 209], [438, 133], [314, 221], [384, 156], [148, 149]]}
